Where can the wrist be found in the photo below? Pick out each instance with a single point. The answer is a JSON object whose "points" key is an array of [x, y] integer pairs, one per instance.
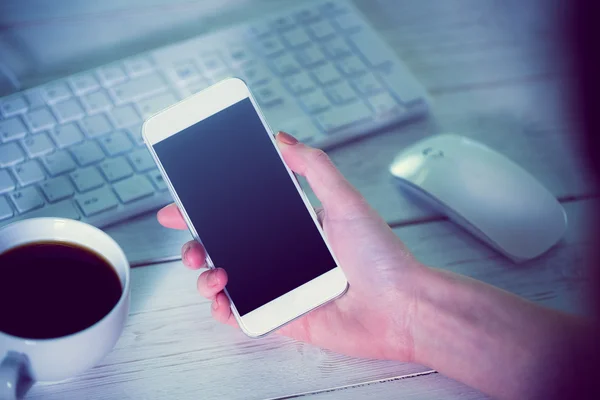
{"points": [[403, 339]]}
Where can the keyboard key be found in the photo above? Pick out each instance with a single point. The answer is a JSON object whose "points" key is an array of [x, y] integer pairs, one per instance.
{"points": [[83, 83], [87, 179], [66, 135], [332, 8], [11, 129], [255, 73], [306, 15], [6, 181], [237, 55], [87, 153], [133, 188], [135, 133], [5, 209], [111, 74], [394, 75], [115, 169], [138, 88], [57, 189], [59, 162], [115, 143], [141, 160], [285, 65], [212, 63], [27, 199], [367, 84], [270, 46], [96, 125], [138, 65], [304, 130], [96, 102], [56, 91], [96, 201], [310, 56], [267, 96], [340, 117], [314, 102], [154, 104], [283, 23], [35, 98], [337, 48], [157, 180], [40, 119], [10, 154], [326, 74], [62, 209], [29, 172], [321, 30], [195, 87], [295, 38], [347, 22], [218, 76], [38, 145], [340, 93], [124, 116], [184, 73], [300, 83], [68, 110], [259, 29], [13, 105], [351, 66], [384, 103], [396, 78]]}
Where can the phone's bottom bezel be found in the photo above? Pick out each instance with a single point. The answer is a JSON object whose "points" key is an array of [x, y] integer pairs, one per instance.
{"points": [[292, 305]]}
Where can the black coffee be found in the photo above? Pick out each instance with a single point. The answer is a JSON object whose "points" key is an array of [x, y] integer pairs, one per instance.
{"points": [[53, 289]]}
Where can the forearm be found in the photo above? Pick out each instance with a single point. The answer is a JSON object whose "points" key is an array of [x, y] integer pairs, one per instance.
{"points": [[490, 339]]}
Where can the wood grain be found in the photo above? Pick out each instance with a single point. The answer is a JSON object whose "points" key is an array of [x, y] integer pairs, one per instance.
{"points": [[428, 385], [171, 346]]}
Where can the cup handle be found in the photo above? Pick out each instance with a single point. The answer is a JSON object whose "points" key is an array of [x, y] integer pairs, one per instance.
{"points": [[15, 379]]}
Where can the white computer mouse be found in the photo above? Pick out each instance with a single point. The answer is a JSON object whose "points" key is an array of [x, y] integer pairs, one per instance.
{"points": [[484, 192]]}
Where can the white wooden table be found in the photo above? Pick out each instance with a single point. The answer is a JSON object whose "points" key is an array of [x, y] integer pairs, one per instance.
{"points": [[494, 71]]}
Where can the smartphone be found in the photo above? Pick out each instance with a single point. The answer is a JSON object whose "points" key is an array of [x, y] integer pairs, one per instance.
{"points": [[239, 199]]}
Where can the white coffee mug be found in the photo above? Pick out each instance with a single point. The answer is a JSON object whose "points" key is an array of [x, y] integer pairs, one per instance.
{"points": [[24, 361]]}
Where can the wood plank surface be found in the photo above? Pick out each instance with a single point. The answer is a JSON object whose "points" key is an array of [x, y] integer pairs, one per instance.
{"points": [[172, 347], [425, 386]]}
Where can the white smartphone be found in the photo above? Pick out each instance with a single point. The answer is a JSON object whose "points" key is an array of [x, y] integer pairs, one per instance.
{"points": [[220, 161]]}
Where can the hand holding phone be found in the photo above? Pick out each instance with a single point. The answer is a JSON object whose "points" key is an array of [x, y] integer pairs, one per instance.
{"points": [[220, 162], [371, 319]]}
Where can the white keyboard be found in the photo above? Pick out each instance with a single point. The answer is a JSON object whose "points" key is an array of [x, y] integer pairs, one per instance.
{"points": [[73, 147]]}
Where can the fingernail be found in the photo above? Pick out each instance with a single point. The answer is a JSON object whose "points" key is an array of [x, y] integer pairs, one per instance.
{"points": [[215, 304], [287, 138], [212, 279]]}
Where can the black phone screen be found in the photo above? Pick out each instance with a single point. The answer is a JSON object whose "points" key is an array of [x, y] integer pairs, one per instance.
{"points": [[244, 206]]}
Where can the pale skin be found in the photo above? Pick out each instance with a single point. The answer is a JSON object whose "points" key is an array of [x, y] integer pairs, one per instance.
{"points": [[399, 309]]}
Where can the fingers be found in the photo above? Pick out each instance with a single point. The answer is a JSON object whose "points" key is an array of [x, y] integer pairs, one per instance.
{"points": [[221, 310], [212, 282], [210, 285], [170, 217], [193, 255], [336, 194]]}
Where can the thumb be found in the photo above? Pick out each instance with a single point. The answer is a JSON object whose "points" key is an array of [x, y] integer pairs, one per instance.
{"points": [[339, 198]]}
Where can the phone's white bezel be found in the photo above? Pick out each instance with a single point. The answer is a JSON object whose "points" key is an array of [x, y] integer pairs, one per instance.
{"points": [[196, 108]]}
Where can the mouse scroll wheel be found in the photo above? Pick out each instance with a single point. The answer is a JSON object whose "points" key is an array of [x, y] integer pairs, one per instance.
{"points": [[432, 152]]}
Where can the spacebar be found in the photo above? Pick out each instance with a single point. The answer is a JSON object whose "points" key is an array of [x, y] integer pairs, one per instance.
{"points": [[63, 209]]}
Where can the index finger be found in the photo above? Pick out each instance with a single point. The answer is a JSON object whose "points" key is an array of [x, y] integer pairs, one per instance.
{"points": [[170, 217]]}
